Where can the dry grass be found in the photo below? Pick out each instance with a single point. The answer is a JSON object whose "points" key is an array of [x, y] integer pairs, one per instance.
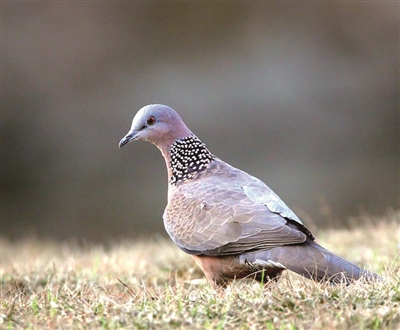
{"points": [[151, 285]]}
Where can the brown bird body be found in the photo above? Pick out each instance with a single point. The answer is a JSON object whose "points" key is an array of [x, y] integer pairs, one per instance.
{"points": [[232, 224]]}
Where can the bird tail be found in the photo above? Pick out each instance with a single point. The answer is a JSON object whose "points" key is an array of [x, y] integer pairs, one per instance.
{"points": [[315, 262]]}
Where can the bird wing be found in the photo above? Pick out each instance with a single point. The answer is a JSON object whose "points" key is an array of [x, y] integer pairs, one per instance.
{"points": [[226, 212]]}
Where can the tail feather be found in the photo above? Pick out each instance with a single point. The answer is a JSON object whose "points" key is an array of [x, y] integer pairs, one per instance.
{"points": [[315, 262]]}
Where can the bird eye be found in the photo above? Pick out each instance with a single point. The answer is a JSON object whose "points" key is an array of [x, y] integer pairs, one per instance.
{"points": [[151, 120]]}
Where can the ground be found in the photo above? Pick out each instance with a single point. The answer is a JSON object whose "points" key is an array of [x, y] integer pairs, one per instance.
{"points": [[153, 285]]}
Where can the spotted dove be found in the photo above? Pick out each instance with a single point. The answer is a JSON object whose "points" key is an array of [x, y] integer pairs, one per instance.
{"points": [[231, 223]]}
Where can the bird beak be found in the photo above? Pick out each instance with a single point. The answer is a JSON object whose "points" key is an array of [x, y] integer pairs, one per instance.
{"points": [[132, 135]]}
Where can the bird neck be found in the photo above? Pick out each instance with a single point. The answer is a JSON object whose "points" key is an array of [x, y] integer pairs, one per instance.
{"points": [[187, 157]]}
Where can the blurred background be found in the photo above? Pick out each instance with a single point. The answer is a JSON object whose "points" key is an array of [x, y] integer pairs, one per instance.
{"points": [[304, 96]]}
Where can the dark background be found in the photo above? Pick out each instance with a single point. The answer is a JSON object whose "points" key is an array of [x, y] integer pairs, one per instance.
{"points": [[303, 95]]}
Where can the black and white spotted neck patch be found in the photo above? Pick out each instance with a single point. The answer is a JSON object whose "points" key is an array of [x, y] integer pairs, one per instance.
{"points": [[189, 156]]}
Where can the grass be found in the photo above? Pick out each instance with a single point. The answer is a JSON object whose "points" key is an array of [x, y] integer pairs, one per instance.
{"points": [[153, 285]]}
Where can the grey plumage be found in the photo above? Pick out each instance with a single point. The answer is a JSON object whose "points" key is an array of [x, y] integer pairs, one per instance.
{"points": [[232, 224]]}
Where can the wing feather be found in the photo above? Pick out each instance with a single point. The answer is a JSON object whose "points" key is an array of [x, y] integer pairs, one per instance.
{"points": [[220, 214]]}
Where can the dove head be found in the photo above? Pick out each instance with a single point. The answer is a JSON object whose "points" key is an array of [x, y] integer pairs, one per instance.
{"points": [[158, 124], [184, 154]]}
